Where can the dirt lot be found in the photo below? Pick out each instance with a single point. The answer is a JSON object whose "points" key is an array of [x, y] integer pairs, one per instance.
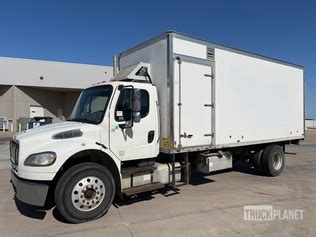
{"points": [[211, 205]]}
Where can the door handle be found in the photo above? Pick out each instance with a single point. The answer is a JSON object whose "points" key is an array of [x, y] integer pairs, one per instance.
{"points": [[150, 137]]}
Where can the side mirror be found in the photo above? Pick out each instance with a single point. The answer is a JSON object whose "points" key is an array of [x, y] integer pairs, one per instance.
{"points": [[131, 107], [137, 100], [137, 105]]}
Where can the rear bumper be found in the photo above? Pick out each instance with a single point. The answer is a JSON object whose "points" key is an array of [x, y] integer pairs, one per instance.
{"points": [[29, 192]]}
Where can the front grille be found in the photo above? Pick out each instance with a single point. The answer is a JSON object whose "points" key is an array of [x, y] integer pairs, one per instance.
{"points": [[14, 152]]}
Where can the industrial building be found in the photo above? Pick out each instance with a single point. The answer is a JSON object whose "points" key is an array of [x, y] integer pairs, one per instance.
{"points": [[36, 88]]}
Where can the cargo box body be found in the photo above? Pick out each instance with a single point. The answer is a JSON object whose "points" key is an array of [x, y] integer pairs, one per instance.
{"points": [[212, 96]]}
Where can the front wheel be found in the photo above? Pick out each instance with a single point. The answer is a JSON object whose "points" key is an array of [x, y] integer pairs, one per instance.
{"points": [[85, 192]]}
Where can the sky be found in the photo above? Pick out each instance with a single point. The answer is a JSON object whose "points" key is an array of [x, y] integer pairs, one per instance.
{"points": [[92, 31]]}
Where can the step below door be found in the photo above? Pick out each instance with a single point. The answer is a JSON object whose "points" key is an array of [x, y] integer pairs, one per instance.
{"points": [[192, 104]]}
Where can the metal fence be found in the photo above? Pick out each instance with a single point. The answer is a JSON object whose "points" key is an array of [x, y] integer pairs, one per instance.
{"points": [[310, 123]]}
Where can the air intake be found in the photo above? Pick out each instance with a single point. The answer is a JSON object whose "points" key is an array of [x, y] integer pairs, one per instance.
{"points": [[211, 54]]}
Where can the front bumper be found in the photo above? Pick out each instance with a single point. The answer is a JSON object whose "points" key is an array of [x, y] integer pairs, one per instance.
{"points": [[29, 192]]}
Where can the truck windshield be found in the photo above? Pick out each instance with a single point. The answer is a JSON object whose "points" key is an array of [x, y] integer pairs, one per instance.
{"points": [[92, 104]]}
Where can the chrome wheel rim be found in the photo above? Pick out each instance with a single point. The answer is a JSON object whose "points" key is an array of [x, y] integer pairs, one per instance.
{"points": [[277, 161], [88, 193]]}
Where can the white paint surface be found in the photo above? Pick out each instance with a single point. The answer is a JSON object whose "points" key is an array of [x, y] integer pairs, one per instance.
{"points": [[196, 119], [189, 48], [132, 143], [256, 99]]}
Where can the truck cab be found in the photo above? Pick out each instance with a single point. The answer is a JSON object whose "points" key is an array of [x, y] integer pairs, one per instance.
{"points": [[111, 123]]}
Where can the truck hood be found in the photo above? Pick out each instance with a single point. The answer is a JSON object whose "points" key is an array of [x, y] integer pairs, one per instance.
{"points": [[44, 133]]}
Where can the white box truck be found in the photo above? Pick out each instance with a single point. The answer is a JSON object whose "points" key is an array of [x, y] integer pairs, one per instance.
{"points": [[176, 103]]}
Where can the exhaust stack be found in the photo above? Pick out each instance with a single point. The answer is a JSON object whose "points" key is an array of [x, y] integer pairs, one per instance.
{"points": [[114, 65]]}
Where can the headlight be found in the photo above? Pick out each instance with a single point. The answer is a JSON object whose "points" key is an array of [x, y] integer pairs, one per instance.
{"points": [[41, 159]]}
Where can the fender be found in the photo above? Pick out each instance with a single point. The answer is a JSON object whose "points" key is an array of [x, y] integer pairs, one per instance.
{"points": [[64, 150]]}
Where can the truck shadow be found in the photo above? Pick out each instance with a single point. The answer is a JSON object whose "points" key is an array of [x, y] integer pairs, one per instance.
{"points": [[141, 197], [39, 213], [197, 178], [59, 217], [30, 211], [245, 168]]}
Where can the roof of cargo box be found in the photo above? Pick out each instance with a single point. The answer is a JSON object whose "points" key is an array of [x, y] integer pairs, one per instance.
{"points": [[208, 44]]}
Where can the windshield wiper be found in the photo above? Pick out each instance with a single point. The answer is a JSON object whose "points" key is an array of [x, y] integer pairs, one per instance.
{"points": [[82, 120]]}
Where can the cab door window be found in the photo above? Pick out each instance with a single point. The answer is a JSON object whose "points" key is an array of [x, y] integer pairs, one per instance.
{"points": [[127, 101]]}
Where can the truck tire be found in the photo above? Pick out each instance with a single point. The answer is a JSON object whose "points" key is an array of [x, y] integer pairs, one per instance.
{"points": [[256, 159], [84, 192], [273, 160]]}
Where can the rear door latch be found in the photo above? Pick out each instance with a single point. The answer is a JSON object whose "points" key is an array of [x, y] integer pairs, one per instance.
{"points": [[185, 135]]}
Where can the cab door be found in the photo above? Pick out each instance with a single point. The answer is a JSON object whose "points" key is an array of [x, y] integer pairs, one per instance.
{"points": [[133, 137]]}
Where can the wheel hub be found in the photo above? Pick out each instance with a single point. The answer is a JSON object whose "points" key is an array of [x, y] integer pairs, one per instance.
{"points": [[88, 193], [277, 161]]}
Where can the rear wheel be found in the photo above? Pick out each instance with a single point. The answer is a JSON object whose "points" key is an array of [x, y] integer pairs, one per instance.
{"points": [[84, 192], [273, 160]]}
